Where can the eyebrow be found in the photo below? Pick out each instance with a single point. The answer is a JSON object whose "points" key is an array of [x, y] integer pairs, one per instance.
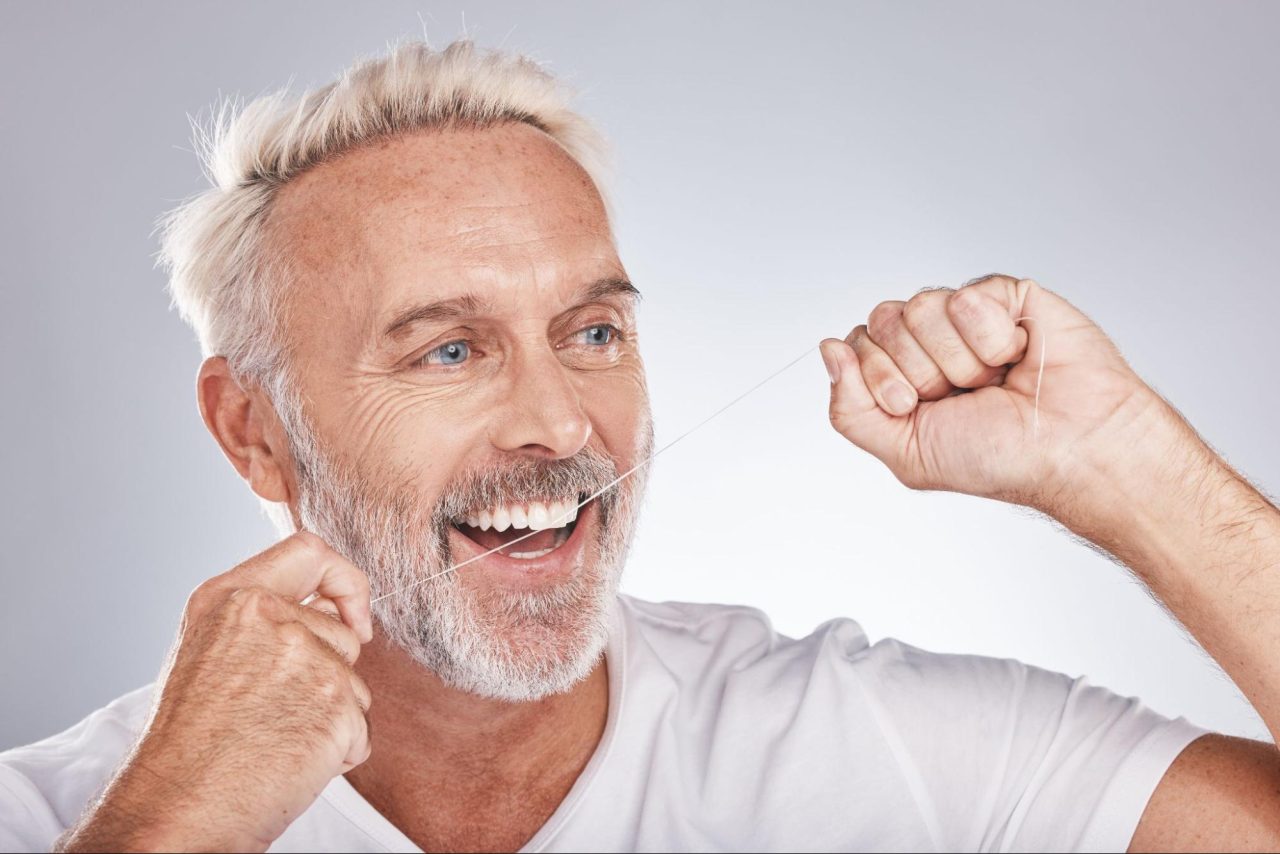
{"points": [[469, 305], [609, 287], [448, 309]]}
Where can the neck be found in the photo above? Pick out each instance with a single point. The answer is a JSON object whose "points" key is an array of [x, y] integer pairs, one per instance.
{"points": [[444, 759]]}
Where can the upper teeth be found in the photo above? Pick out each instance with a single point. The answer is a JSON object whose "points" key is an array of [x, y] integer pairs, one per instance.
{"points": [[536, 515]]}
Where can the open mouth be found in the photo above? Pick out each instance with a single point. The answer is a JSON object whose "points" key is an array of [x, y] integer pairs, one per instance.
{"points": [[522, 531]]}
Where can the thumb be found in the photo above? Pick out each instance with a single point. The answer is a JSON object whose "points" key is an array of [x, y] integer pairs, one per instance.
{"points": [[853, 411]]}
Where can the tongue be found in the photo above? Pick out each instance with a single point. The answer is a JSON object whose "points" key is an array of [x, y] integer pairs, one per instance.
{"points": [[492, 539]]}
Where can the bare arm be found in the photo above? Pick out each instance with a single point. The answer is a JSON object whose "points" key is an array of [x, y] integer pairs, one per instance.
{"points": [[1221, 794], [1079, 436], [1208, 545]]}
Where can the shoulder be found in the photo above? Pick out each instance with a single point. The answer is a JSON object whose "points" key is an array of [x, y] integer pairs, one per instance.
{"points": [[47, 783], [987, 751], [916, 697], [734, 641], [705, 639], [710, 660]]}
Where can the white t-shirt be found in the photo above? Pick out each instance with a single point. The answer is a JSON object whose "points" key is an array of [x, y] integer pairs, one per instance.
{"points": [[724, 735]]}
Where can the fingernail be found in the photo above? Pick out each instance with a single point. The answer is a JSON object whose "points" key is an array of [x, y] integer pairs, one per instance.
{"points": [[833, 365], [899, 397]]}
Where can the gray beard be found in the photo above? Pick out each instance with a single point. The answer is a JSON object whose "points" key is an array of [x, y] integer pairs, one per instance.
{"points": [[501, 644]]}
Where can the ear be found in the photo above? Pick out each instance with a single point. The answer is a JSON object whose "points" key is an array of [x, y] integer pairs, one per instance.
{"points": [[246, 428]]}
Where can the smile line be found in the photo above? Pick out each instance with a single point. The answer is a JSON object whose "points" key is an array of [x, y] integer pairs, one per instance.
{"points": [[593, 496]]}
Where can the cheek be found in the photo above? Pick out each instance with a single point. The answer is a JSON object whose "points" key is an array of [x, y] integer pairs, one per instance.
{"points": [[408, 438], [617, 402]]}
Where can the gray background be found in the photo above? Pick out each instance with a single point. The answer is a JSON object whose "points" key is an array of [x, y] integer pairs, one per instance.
{"points": [[780, 169]]}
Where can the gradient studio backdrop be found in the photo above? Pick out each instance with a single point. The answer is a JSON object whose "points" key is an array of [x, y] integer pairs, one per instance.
{"points": [[781, 169]]}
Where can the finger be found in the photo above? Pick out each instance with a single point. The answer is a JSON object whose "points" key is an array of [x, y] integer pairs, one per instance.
{"points": [[359, 744], [925, 316], [1010, 291], [360, 689], [303, 564], [854, 412], [339, 636], [323, 604], [887, 329], [850, 398], [987, 326], [892, 391]]}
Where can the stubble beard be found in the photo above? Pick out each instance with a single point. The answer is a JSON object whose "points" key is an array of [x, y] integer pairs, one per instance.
{"points": [[504, 644]]}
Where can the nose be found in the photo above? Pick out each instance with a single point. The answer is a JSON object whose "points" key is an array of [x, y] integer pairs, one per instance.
{"points": [[543, 414]]}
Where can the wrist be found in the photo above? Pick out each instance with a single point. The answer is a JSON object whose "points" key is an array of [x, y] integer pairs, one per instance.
{"points": [[146, 810], [1138, 487], [1163, 503]]}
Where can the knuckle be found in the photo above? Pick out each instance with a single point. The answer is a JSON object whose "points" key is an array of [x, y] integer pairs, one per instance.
{"points": [[337, 691], [966, 301], [985, 276], [203, 596], [253, 601], [884, 319], [295, 639], [333, 690], [914, 311], [307, 541]]}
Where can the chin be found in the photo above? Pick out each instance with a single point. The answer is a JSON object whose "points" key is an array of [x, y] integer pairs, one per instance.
{"points": [[522, 646], [526, 622]]}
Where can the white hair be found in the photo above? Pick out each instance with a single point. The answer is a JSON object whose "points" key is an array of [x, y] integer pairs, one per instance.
{"points": [[227, 279], [221, 276]]}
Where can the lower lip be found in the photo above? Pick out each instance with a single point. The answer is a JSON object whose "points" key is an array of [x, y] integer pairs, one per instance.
{"points": [[555, 565]]}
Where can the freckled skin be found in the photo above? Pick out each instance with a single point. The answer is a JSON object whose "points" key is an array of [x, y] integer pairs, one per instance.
{"points": [[502, 213], [506, 215]]}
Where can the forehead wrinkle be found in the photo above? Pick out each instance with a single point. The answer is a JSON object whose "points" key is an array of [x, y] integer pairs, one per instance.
{"points": [[375, 219], [474, 242]]}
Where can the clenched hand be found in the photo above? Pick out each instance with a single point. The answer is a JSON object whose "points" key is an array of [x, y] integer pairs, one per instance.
{"points": [[942, 389], [259, 709]]}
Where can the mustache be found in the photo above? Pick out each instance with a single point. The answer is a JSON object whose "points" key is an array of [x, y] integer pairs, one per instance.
{"points": [[526, 479]]}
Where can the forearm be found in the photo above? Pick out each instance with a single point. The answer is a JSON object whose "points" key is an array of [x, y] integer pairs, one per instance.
{"points": [[1203, 539], [146, 809]]}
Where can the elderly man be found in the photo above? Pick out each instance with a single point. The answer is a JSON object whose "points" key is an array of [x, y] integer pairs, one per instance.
{"points": [[422, 353]]}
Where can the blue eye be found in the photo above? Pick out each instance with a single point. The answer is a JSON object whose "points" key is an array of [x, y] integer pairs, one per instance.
{"points": [[453, 353], [598, 335]]}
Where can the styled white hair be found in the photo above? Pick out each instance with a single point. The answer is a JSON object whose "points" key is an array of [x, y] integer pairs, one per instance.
{"points": [[213, 247]]}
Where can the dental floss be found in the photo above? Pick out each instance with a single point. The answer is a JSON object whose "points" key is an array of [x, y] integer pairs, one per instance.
{"points": [[565, 516], [1044, 343]]}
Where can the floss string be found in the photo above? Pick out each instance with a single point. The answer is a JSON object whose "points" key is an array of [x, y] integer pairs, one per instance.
{"points": [[696, 427], [564, 516], [1044, 343]]}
